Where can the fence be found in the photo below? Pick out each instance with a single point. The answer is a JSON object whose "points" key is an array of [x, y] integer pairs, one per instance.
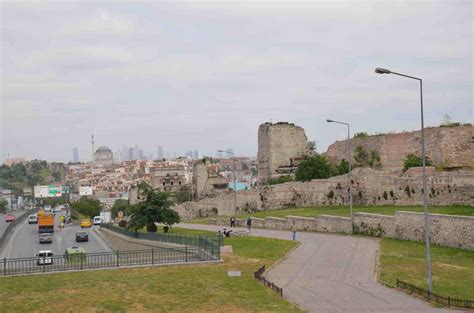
{"points": [[441, 300], [179, 239], [258, 275], [82, 261]]}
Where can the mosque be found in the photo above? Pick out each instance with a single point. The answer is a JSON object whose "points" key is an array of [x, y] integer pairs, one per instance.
{"points": [[103, 155]]}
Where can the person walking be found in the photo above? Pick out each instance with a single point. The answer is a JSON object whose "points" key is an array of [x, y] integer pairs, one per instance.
{"points": [[249, 224], [232, 221], [293, 230]]}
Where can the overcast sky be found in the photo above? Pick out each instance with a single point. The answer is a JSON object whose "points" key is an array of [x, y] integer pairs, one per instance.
{"points": [[205, 75]]}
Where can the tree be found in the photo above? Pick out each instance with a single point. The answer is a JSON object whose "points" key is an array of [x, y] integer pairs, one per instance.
{"points": [[374, 159], [341, 168], [87, 206], [121, 205], [183, 194], [312, 146], [313, 167], [280, 180], [412, 160], [155, 208], [3, 205], [361, 156]]}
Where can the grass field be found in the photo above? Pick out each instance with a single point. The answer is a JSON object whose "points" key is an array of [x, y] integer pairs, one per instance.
{"points": [[344, 211], [453, 269], [201, 288]]}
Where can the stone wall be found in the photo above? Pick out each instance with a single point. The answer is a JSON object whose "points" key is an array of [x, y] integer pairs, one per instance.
{"points": [[371, 187], [280, 145], [445, 230], [451, 146], [223, 204]]}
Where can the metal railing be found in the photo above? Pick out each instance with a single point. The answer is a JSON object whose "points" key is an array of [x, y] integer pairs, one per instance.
{"points": [[258, 275], [432, 297], [179, 239], [83, 261]]}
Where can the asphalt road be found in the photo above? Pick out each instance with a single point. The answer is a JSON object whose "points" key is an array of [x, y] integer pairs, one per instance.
{"points": [[25, 240], [4, 224]]}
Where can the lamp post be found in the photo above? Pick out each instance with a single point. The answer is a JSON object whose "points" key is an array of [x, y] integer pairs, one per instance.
{"points": [[235, 184], [379, 70], [349, 177]]}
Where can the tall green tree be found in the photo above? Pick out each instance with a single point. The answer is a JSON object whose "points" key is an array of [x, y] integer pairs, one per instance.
{"points": [[314, 167], [87, 206], [121, 205], [3, 205], [155, 208], [183, 194]]}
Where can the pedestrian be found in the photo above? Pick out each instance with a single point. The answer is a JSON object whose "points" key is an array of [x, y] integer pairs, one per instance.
{"points": [[232, 221], [249, 223], [293, 230]]}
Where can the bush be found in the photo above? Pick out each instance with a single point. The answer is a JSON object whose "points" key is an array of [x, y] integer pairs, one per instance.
{"points": [[280, 180], [314, 167], [361, 135], [122, 223], [412, 160]]}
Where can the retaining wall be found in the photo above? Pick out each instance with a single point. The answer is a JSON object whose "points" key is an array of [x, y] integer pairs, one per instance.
{"points": [[445, 230]]}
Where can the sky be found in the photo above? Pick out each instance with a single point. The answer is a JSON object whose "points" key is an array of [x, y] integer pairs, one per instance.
{"points": [[205, 75]]}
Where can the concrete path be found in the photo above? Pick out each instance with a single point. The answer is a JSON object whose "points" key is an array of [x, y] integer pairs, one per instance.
{"points": [[333, 273]]}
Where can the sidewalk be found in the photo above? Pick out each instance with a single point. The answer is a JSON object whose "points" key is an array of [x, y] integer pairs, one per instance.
{"points": [[333, 273]]}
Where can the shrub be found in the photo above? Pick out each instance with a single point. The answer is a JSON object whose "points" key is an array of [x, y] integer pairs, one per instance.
{"points": [[361, 135], [330, 194], [280, 180], [412, 160], [314, 167], [385, 195], [122, 223]]}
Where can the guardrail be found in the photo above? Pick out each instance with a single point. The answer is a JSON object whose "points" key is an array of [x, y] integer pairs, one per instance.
{"points": [[258, 275], [441, 300], [83, 261], [179, 239]]}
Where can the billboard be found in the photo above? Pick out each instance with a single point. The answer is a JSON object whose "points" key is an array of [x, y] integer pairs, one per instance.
{"points": [[41, 191], [85, 190], [48, 191]]}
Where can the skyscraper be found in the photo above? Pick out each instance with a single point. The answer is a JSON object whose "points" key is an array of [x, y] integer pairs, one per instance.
{"points": [[75, 155], [160, 153], [196, 155]]}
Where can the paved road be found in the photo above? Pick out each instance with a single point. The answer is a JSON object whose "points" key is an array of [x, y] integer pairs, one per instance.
{"points": [[332, 273], [3, 224], [25, 241]]}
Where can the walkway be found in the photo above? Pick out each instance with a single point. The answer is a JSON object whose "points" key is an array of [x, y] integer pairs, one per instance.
{"points": [[333, 273]]}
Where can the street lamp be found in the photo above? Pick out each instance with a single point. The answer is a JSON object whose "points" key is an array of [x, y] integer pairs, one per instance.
{"points": [[235, 184], [379, 70], [350, 168]]}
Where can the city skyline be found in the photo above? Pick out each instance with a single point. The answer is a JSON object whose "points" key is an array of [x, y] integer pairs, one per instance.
{"points": [[289, 63]]}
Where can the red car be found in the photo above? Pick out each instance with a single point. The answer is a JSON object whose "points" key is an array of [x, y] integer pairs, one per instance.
{"points": [[9, 218]]}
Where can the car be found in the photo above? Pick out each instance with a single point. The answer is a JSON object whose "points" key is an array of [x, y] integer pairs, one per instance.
{"points": [[47, 209], [57, 209], [86, 223], [82, 236], [45, 257], [45, 238], [10, 218], [33, 219], [97, 220]]}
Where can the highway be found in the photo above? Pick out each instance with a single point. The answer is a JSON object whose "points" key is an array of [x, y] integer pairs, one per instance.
{"points": [[4, 224], [25, 240]]}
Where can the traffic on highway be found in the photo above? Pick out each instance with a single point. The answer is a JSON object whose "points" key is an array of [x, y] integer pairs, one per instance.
{"points": [[50, 233]]}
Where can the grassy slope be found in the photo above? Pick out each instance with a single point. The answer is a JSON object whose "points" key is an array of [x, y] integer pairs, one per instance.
{"points": [[344, 211], [453, 269], [171, 288]]}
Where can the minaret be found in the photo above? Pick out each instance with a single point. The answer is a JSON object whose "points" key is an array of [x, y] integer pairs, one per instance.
{"points": [[92, 147]]}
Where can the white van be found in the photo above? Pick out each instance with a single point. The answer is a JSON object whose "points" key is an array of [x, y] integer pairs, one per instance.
{"points": [[33, 219], [97, 220], [45, 257]]}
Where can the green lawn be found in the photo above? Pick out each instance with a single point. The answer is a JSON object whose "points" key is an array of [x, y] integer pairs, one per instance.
{"points": [[453, 269], [344, 211], [198, 288]]}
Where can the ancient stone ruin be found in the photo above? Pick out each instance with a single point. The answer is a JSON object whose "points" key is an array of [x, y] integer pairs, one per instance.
{"points": [[280, 147]]}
